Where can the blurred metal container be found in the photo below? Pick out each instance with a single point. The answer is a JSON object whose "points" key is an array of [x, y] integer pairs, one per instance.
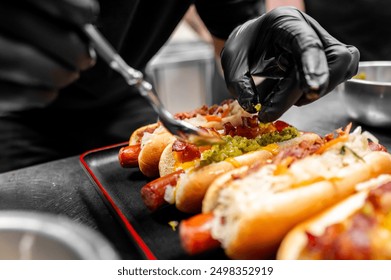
{"points": [[182, 74], [39, 236], [367, 96]]}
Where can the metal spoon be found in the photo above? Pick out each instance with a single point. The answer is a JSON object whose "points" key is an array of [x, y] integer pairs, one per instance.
{"points": [[179, 128]]}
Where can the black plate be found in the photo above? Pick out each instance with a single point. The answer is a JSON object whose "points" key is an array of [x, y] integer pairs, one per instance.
{"points": [[120, 188]]}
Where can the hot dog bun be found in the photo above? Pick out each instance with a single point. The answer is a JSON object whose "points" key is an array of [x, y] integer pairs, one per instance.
{"points": [[167, 161], [192, 186], [154, 138], [260, 205], [128, 155], [189, 191], [152, 146], [137, 135], [211, 196], [294, 244]]}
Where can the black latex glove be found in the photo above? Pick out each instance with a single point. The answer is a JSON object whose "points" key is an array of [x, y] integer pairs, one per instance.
{"points": [[41, 49], [300, 61]]}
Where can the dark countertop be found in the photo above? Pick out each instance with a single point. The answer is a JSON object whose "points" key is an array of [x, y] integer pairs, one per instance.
{"points": [[62, 187]]}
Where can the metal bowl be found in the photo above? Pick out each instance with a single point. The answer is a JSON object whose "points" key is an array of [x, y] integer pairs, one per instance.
{"points": [[367, 96], [40, 236]]}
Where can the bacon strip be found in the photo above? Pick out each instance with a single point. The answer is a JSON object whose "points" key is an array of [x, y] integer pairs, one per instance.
{"points": [[185, 151], [376, 147], [352, 238]]}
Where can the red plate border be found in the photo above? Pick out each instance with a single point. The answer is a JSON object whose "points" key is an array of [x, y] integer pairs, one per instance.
{"points": [[136, 237]]}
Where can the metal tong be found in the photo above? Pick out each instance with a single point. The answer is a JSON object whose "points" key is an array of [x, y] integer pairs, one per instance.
{"points": [[181, 129]]}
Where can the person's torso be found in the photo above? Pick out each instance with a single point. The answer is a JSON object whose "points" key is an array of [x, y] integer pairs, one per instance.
{"points": [[136, 29]]}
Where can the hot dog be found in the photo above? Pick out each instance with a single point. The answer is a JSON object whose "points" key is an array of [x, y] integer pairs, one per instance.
{"points": [[128, 155], [200, 170], [147, 143], [254, 208], [358, 228]]}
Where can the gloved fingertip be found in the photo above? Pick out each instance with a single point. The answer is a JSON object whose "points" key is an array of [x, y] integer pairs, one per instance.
{"points": [[246, 93], [354, 52], [248, 103], [352, 68], [315, 70], [267, 115]]}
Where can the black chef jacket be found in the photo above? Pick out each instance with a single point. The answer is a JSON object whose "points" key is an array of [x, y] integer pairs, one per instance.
{"points": [[100, 108]]}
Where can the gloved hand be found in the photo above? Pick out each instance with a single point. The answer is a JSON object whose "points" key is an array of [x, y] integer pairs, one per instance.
{"points": [[42, 49], [300, 61]]}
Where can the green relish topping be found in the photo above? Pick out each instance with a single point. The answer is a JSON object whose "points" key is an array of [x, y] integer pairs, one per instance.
{"points": [[238, 145]]}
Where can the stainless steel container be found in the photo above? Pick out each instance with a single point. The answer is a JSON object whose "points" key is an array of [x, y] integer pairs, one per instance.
{"points": [[368, 99], [182, 74], [39, 236]]}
